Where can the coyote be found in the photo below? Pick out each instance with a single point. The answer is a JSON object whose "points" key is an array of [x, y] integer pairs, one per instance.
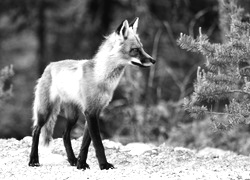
{"points": [[72, 87]]}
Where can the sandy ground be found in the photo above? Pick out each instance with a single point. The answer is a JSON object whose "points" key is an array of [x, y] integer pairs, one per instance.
{"points": [[134, 161]]}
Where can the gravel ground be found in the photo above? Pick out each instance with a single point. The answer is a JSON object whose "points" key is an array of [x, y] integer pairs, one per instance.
{"points": [[134, 161]]}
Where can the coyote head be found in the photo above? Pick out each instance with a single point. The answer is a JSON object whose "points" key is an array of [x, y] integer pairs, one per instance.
{"points": [[131, 48]]}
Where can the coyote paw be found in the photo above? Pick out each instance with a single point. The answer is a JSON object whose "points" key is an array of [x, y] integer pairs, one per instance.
{"points": [[83, 166], [72, 161], [34, 162], [106, 166]]}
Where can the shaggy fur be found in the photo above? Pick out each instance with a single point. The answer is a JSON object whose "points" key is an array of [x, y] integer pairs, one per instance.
{"points": [[84, 86]]}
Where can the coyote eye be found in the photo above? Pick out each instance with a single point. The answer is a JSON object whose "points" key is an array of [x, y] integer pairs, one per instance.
{"points": [[134, 51]]}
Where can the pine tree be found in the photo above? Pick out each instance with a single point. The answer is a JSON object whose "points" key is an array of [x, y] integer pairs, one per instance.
{"points": [[226, 74]]}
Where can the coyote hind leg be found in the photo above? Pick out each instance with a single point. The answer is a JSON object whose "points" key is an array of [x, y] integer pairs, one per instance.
{"points": [[71, 114], [34, 159]]}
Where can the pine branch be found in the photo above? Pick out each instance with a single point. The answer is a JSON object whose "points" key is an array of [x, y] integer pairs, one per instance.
{"points": [[239, 91], [227, 74]]}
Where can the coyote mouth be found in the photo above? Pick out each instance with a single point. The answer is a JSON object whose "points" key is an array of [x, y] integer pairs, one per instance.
{"points": [[138, 64], [144, 63]]}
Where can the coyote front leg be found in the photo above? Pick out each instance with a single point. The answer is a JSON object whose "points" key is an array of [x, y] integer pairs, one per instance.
{"points": [[94, 132], [81, 162]]}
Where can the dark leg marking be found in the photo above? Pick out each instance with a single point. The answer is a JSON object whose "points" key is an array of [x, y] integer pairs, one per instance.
{"points": [[94, 132], [81, 162], [67, 143], [34, 159]]}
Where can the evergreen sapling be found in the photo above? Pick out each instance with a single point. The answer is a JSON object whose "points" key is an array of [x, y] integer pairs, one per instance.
{"points": [[227, 71]]}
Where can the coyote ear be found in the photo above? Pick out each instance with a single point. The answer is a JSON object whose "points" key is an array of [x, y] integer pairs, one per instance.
{"points": [[134, 24], [122, 29]]}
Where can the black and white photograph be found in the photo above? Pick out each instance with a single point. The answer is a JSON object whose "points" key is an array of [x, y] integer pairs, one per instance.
{"points": [[125, 89]]}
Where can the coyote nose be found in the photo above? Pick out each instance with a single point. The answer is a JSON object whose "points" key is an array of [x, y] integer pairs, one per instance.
{"points": [[152, 60]]}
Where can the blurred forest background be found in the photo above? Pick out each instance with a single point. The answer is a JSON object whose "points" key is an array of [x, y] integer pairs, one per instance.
{"points": [[147, 106]]}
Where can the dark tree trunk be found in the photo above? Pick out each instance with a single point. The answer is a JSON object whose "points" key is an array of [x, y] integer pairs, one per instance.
{"points": [[41, 35]]}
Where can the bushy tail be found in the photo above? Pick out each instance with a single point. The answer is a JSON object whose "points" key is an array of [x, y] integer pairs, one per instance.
{"points": [[48, 117], [47, 131], [44, 110]]}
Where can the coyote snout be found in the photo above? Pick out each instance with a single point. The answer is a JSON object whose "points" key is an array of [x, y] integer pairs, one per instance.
{"points": [[143, 60]]}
